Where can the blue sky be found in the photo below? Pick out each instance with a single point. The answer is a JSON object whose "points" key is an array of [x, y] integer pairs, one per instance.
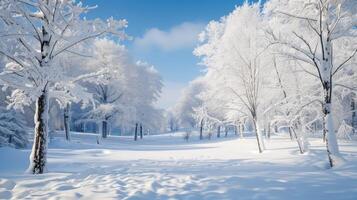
{"points": [[165, 34]]}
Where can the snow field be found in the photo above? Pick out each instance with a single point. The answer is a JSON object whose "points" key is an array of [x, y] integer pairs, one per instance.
{"points": [[167, 167]]}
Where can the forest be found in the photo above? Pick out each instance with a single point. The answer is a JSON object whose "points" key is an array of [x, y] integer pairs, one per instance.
{"points": [[273, 74]]}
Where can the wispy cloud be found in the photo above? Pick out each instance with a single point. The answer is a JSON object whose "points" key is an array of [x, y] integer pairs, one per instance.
{"points": [[184, 35]]}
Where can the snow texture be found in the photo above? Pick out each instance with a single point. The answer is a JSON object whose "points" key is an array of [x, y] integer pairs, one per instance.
{"points": [[167, 167]]}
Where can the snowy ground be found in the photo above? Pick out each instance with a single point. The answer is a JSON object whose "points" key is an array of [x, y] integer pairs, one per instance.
{"points": [[167, 167]]}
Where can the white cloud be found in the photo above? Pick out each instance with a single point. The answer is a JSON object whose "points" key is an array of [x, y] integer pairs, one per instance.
{"points": [[181, 36], [171, 93]]}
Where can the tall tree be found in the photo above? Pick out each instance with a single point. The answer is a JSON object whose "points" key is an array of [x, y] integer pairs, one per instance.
{"points": [[237, 62], [41, 31], [309, 31], [108, 94]]}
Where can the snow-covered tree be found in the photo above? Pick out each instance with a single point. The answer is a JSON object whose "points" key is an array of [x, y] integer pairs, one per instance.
{"points": [[108, 94], [39, 33], [127, 95], [292, 108], [172, 122], [213, 107], [12, 129], [184, 110], [233, 50], [146, 91], [309, 31]]}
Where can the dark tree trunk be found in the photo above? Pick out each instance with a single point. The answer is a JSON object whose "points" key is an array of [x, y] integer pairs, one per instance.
{"points": [[66, 122], [353, 122], [136, 132], [141, 131], [201, 129], [219, 131], [269, 131], [323, 130], [290, 134], [315, 128], [171, 127], [39, 149], [225, 131], [104, 129]]}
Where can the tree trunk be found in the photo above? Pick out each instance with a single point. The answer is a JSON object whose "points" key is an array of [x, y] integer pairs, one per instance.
{"points": [[10, 139], [269, 131], [201, 129], [256, 129], [66, 122], [104, 129], [141, 131], [304, 141], [353, 121], [331, 140], [219, 131], [241, 130], [39, 149], [84, 127], [290, 134], [38, 157], [297, 139], [315, 128], [136, 132], [225, 131], [326, 77], [323, 130]]}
